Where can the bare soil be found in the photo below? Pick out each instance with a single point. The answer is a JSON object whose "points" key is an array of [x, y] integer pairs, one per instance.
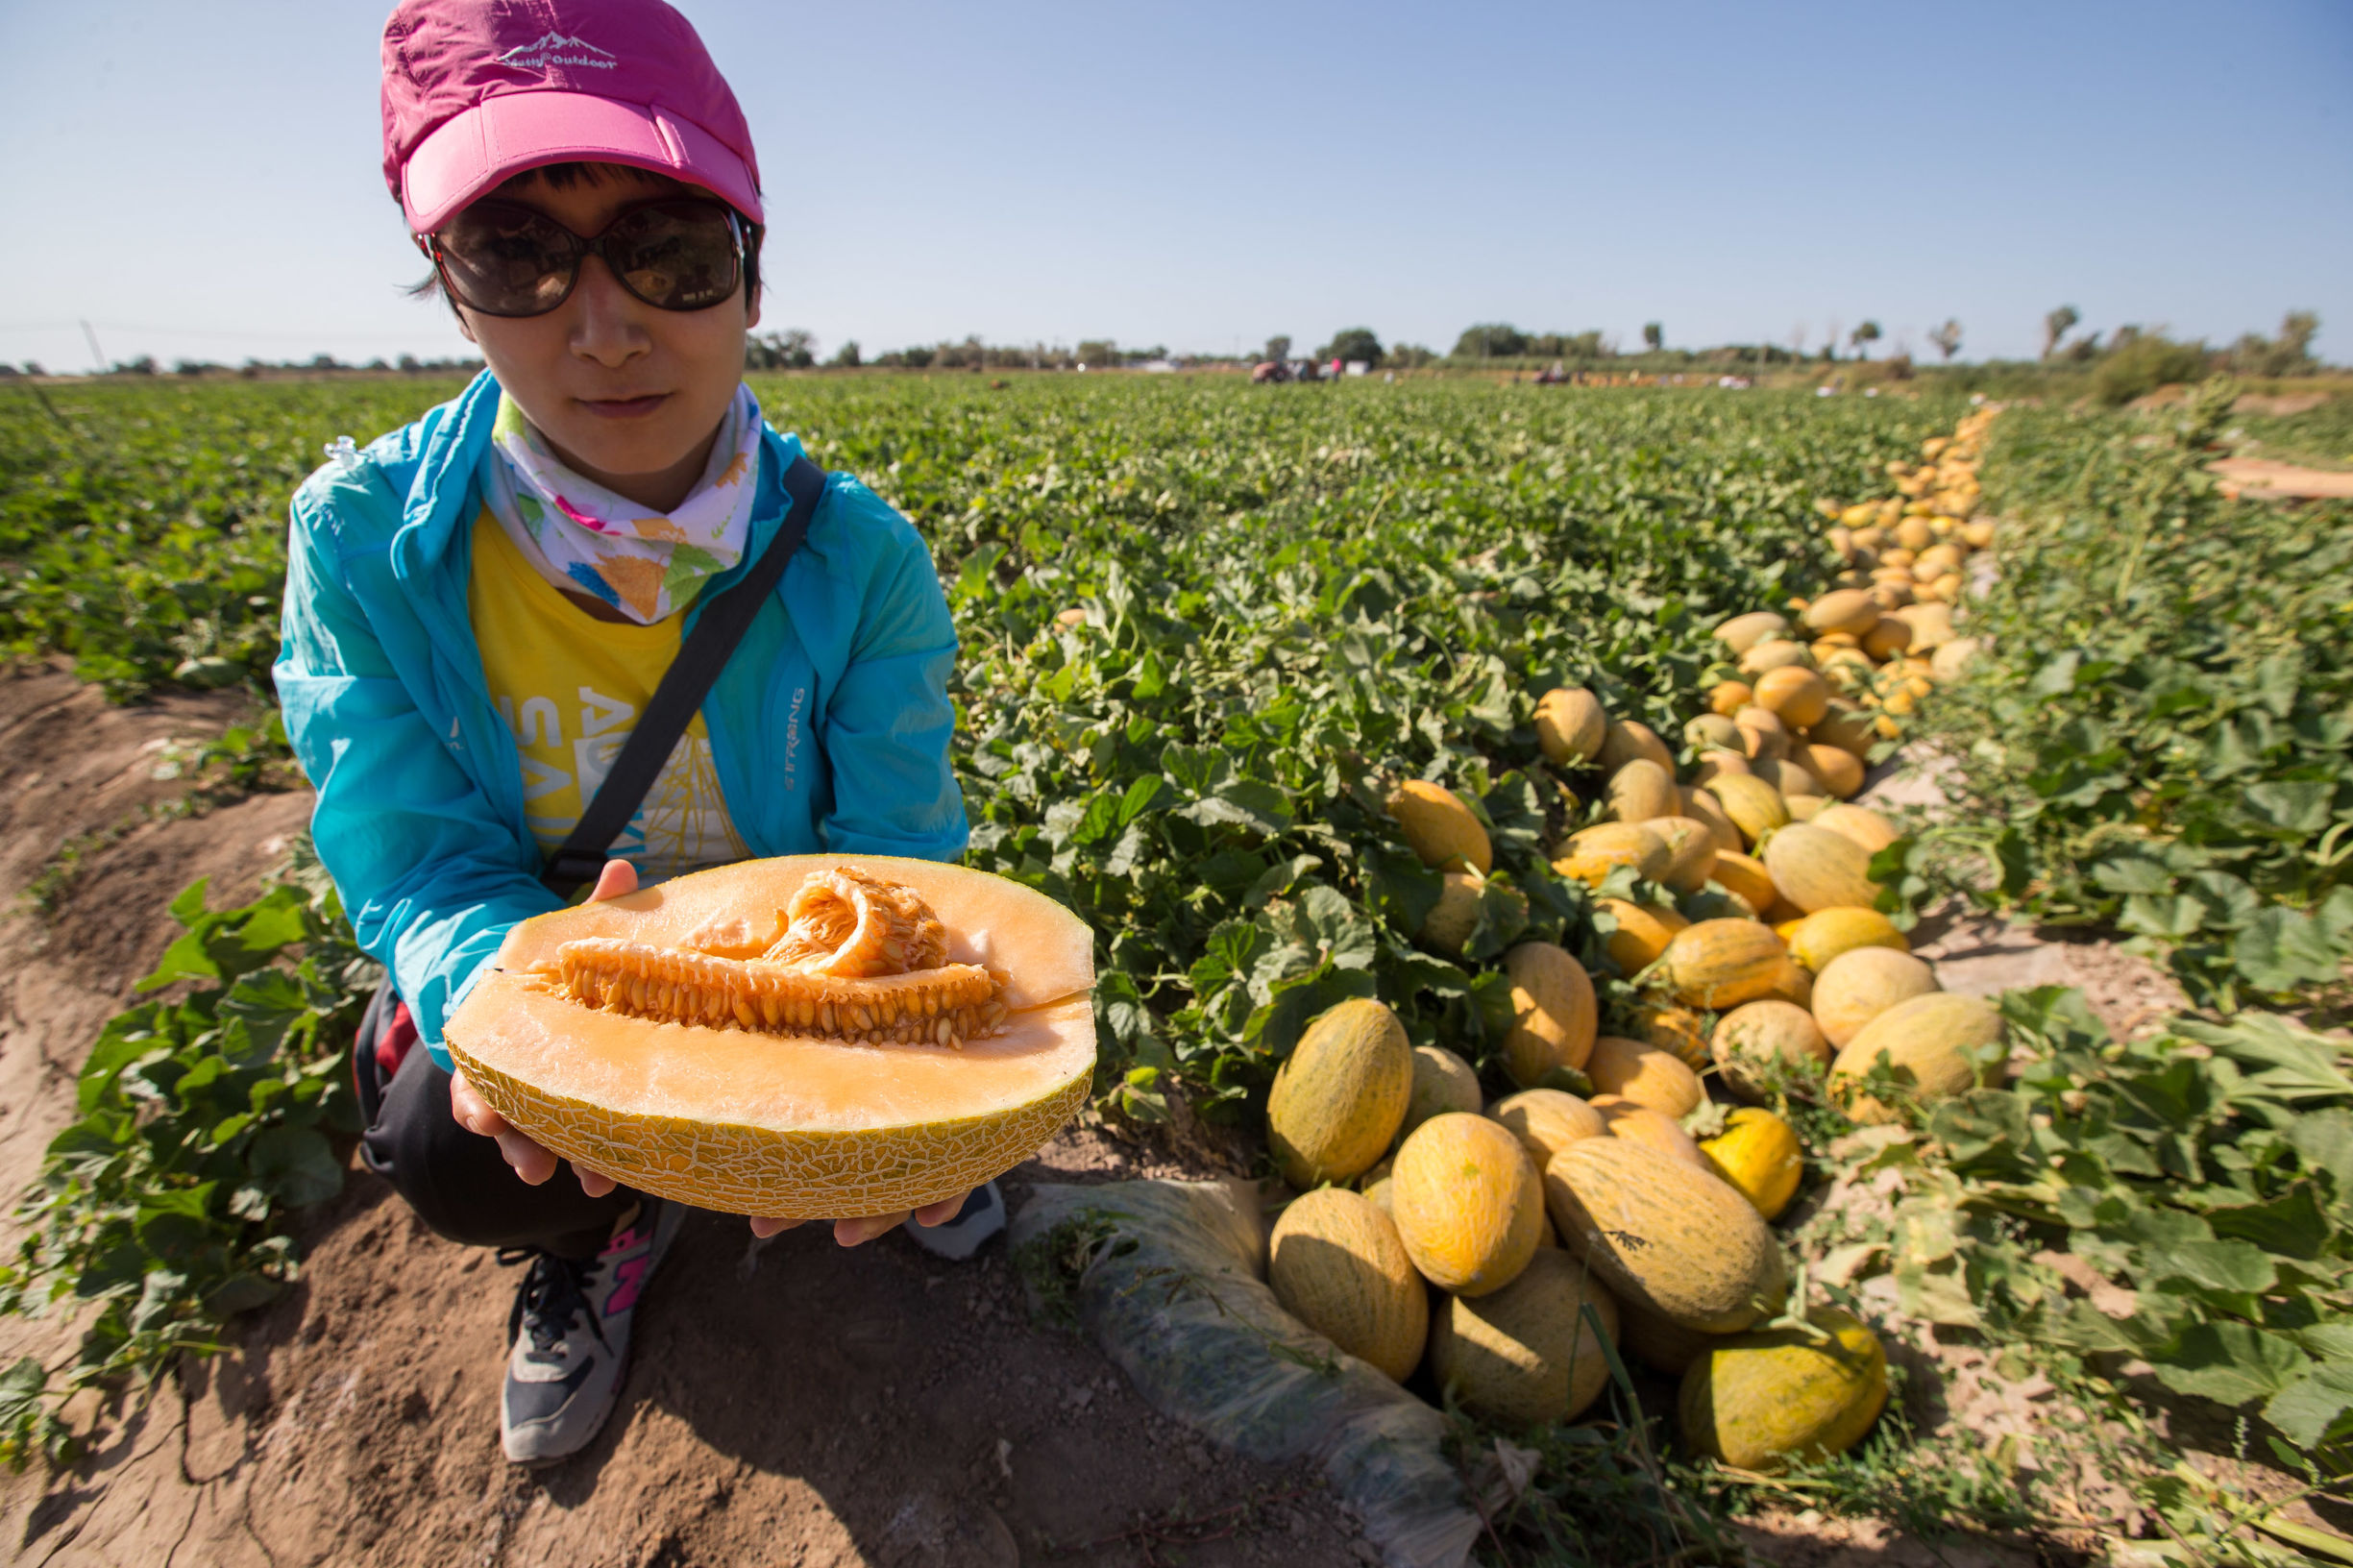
{"points": [[2260, 478]]}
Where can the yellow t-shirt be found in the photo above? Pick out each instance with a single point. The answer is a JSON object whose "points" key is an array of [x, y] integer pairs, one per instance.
{"points": [[570, 687]]}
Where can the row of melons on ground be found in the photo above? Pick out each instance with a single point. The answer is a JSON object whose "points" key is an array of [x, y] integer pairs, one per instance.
{"points": [[1641, 1211]]}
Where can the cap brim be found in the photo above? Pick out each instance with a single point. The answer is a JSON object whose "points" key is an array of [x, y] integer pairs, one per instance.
{"points": [[511, 132]]}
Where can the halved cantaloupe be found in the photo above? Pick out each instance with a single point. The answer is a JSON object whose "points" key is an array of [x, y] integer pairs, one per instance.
{"points": [[786, 1121]]}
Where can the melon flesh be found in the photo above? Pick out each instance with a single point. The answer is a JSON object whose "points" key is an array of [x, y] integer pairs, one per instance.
{"points": [[785, 1126]]}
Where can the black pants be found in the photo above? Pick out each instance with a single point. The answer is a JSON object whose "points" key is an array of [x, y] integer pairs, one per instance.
{"points": [[455, 1179]]}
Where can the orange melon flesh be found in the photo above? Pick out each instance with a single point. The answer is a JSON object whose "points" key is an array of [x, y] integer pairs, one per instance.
{"points": [[792, 1128]]}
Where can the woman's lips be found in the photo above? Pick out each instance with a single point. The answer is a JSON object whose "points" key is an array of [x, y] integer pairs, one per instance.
{"points": [[625, 408]]}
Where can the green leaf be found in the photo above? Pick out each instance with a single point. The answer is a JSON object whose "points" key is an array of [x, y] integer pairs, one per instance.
{"points": [[2231, 1363], [2316, 1409], [2291, 1225], [295, 1166], [2281, 949]]}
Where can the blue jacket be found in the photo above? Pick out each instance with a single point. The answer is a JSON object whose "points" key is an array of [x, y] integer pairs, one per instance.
{"points": [[829, 726]]}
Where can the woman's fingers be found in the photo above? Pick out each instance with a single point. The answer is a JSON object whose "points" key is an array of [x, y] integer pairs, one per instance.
{"points": [[617, 877], [856, 1233], [594, 1183], [471, 1111], [941, 1212], [531, 1162], [765, 1228]]}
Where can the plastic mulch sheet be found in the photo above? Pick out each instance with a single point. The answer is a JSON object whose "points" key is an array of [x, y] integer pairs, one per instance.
{"points": [[1169, 1278]]}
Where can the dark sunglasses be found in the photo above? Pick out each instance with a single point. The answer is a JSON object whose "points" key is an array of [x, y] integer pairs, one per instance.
{"points": [[677, 253]]}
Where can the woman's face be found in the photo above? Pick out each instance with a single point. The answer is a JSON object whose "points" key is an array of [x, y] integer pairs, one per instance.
{"points": [[629, 396]]}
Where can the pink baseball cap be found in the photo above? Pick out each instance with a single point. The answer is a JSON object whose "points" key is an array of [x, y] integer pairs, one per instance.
{"points": [[475, 90]]}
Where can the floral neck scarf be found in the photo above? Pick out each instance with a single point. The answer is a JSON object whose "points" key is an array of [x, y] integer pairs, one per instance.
{"points": [[647, 564]]}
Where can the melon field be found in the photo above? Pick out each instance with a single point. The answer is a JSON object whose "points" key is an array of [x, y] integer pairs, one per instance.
{"points": [[1554, 844]]}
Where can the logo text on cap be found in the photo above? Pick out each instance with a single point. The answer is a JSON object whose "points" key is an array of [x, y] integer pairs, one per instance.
{"points": [[558, 49]]}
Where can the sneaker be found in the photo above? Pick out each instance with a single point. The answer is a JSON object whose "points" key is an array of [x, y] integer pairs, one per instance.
{"points": [[981, 1218], [569, 1338]]}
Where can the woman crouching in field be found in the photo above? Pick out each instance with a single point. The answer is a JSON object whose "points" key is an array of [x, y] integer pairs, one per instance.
{"points": [[480, 607]]}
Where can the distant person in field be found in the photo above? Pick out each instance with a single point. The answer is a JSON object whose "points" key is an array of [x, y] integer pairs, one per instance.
{"points": [[479, 607]]}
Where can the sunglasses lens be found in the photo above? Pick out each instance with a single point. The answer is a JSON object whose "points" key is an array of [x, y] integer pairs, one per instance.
{"points": [[506, 260], [680, 255]]}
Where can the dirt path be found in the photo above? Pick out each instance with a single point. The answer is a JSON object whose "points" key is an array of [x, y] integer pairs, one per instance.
{"points": [[800, 1406], [2260, 478]]}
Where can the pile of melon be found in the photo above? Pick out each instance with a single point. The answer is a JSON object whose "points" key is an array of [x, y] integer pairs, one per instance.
{"points": [[1622, 1186]]}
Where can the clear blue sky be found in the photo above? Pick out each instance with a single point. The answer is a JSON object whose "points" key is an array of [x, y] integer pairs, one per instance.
{"points": [[201, 180]]}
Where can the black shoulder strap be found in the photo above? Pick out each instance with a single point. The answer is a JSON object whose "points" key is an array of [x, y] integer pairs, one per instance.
{"points": [[676, 699]]}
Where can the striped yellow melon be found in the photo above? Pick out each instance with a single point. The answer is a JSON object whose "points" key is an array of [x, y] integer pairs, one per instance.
{"points": [[597, 1032], [1763, 1041], [1440, 827], [1745, 877], [1846, 726], [1653, 1129], [1340, 1097], [1554, 1013], [1822, 937], [1756, 807], [1840, 770], [1759, 1155], [1719, 963], [1526, 1355], [1763, 737], [1644, 1075], [1442, 1081], [1817, 869], [1468, 1203], [1452, 920], [1691, 848], [1643, 932], [1759, 1401], [1743, 632], [1712, 730], [1642, 790], [1591, 855], [1570, 725], [1860, 984], [1931, 1041], [1703, 807], [1730, 697], [1546, 1120], [1337, 1265], [1798, 696], [1849, 610], [1679, 1240], [1627, 739], [1678, 1031]]}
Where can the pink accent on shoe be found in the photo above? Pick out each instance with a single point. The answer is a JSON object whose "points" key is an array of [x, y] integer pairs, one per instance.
{"points": [[623, 1240], [629, 1278]]}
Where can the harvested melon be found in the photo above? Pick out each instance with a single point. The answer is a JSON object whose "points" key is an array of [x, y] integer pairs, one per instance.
{"points": [[1691, 849], [1756, 807], [1703, 807], [1743, 632], [1796, 696], [1760, 1042], [1679, 1240], [1849, 610], [1526, 1355], [1468, 1203], [1553, 1013], [1759, 1155], [1730, 697], [1933, 1041], [1570, 725], [800, 1038], [1642, 790], [1712, 730], [1340, 1097], [1763, 737], [1860, 984], [1817, 868], [1452, 920], [1643, 933], [1840, 770], [1592, 854], [1650, 1128], [1546, 1120], [1440, 827], [1745, 877], [1442, 1081], [1678, 1031], [1822, 937], [1644, 1075], [1719, 963], [1336, 1263], [1627, 739], [1759, 1401]]}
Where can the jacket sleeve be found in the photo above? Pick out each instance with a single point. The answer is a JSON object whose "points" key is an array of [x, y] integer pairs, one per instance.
{"points": [[430, 873], [890, 720]]}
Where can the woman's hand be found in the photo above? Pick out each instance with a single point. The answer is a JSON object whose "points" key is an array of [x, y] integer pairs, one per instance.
{"points": [[851, 1232], [535, 1162]]}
